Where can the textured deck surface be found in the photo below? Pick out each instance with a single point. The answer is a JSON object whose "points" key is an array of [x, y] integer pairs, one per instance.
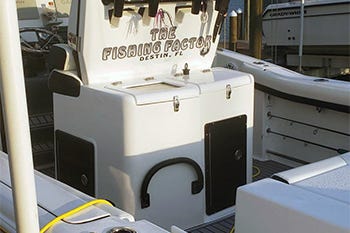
{"points": [[267, 168], [262, 169], [220, 226]]}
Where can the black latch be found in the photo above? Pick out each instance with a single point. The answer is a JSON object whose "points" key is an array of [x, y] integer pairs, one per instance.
{"points": [[186, 71]]}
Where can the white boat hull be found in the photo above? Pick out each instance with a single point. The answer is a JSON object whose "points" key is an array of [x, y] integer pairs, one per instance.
{"points": [[326, 26]]}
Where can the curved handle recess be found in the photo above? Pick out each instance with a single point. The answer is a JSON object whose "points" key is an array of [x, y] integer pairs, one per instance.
{"points": [[197, 185]]}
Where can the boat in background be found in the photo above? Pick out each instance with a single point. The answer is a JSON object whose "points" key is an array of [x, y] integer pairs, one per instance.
{"points": [[42, 13], [326, 38]]}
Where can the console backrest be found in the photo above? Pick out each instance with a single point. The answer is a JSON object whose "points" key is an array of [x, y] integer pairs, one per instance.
{"points": [[61, 57]]}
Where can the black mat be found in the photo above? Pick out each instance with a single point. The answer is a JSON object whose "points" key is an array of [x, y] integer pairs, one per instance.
{"points": [[267, 168], [264, 169]]}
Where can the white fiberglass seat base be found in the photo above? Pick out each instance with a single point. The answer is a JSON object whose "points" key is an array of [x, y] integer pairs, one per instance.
{"points": [[312, 198]]}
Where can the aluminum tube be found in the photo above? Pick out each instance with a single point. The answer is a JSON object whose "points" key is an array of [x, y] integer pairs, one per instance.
{"points": [[16, 121]]}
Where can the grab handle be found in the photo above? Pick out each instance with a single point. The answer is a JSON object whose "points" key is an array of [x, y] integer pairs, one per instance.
{"points": [[197, 185]]}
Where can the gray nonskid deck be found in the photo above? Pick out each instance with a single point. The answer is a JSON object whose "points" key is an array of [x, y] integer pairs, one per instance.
{"points": [[267, 168], [224, 225]]}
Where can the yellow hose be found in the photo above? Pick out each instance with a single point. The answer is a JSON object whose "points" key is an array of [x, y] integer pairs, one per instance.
{"points": [[233, 229], [100, 201], [73, 211], [3, 230], [257, 171]]}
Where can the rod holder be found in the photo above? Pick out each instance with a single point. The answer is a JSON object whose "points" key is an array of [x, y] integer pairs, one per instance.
{"points": [[217, 5], [196, 5], [153, 7], [106, 2], [118, 8]]}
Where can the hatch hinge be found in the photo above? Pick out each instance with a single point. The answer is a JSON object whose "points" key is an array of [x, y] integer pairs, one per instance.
{"points": [[74, 41], [228, 91], [176, 103]]}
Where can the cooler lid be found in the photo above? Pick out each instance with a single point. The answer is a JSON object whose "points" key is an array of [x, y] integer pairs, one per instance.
{"points": [[155, 90], [135, 45], [215, 79]]}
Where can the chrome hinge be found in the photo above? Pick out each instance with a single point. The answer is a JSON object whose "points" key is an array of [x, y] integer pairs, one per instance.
{"points": [[79, 44], [176, 103], [74, 41], [228, 91]]}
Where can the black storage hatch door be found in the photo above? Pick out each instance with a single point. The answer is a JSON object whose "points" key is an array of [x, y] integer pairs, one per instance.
{"points": [[225, 161], [75, 162]]}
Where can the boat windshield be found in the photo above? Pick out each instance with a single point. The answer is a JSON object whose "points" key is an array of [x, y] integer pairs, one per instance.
{"points": [[27, 9], [31, 9], [63, 7]]}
